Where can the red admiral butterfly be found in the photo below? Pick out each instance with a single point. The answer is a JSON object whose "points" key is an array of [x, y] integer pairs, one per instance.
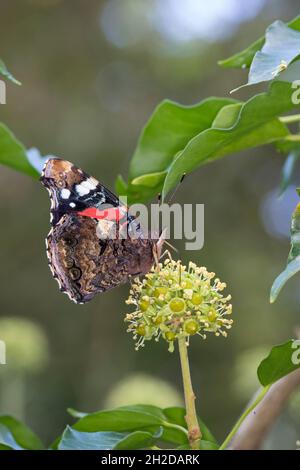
{"points": [[83, 255]]}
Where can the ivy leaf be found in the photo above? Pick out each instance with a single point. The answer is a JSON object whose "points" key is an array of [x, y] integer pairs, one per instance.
{"points": [[36, 160], [138, 440], [167, 132], [13, 153], [132, 418], [16, 435], [234, 127], [176, 415], [254, 124], [77, 440], [7, 440], [288, 170], [167, 425], [244, 58], [293, 262], [282, 359], [281, 47], [119, 419], [6, 74]]}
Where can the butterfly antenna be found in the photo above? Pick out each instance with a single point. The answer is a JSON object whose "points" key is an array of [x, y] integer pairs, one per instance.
{"points": [[176, 188], [171, 246]]}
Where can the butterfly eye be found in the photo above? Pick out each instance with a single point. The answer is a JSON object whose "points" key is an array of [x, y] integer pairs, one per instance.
{"points": [[75, 274]]}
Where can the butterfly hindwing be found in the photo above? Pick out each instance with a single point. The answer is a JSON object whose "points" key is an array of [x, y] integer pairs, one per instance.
{"points": [[85, 251], [85, 265]]}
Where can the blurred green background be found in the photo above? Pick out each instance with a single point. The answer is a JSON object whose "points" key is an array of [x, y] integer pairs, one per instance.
{"points": [[92, 72]]}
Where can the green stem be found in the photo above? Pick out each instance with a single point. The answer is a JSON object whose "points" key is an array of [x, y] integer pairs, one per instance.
{"points": [[292, 138], [194, 433], [166, 424], [237, 425], [290, 119]]}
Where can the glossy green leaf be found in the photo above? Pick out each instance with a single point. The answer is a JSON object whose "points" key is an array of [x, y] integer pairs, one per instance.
{"points": [[244, 58], [208, 445], [165, 134], [138, 440], [148, 409], [293, 262], [76, 440], [117, 420], [256, 124], [13, 153], [36, 160], [151, 180], [7, 440], [168, 130], [121, 185], [6, 74], [282, 360], [176, 414], [282, 46], [131, 418], [14, 431], [75, 413], [289, 144]]}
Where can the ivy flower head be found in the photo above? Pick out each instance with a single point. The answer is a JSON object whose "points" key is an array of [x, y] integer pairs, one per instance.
{"points": [[174, 301]]}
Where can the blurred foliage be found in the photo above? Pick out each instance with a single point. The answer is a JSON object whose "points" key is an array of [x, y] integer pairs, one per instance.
{"points": [[143, 388], [6, 73], [26, 345], [293, 262], [244, 58], [281, 360], [245, 381]]}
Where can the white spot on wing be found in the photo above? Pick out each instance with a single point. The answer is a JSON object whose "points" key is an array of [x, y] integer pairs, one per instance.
{"points": [[81, 189], [65, 193], [91, 182], [72, 204]]}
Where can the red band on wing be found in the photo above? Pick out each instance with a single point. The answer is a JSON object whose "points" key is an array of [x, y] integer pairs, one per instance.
{"points": [[114, 214]]}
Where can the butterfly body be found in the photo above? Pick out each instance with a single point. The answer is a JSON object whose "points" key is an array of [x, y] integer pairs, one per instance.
{"points": [[87, 251]]}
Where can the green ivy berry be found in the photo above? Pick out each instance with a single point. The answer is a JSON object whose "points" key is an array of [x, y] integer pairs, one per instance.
{"points": [[191, 327], [177, 305]]}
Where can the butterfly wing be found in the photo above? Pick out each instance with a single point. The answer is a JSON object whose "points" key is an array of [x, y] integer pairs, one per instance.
{"points": [[85, 253], [71, 190], [85, 265]]}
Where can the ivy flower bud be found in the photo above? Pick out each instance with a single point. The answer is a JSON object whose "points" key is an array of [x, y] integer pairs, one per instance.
{"points": [[174, 301]]}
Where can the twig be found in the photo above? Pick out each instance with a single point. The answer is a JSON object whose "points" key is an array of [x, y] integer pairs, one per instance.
{"points": [[194, 433], [256, 425]]}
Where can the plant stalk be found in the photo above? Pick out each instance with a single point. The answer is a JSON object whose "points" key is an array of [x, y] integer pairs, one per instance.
{"points": [[237, 425], [194, 432], [290, 119]]}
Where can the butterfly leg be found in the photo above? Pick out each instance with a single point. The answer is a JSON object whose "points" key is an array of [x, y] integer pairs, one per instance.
{"points": [[166, 253]]}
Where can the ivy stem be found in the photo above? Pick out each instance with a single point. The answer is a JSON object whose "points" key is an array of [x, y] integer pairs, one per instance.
{"points": [[290, 119], [237, 425], [194, 433]]}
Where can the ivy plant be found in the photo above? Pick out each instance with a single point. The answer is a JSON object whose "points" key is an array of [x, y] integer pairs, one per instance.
{"points": [[176, 140]]}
